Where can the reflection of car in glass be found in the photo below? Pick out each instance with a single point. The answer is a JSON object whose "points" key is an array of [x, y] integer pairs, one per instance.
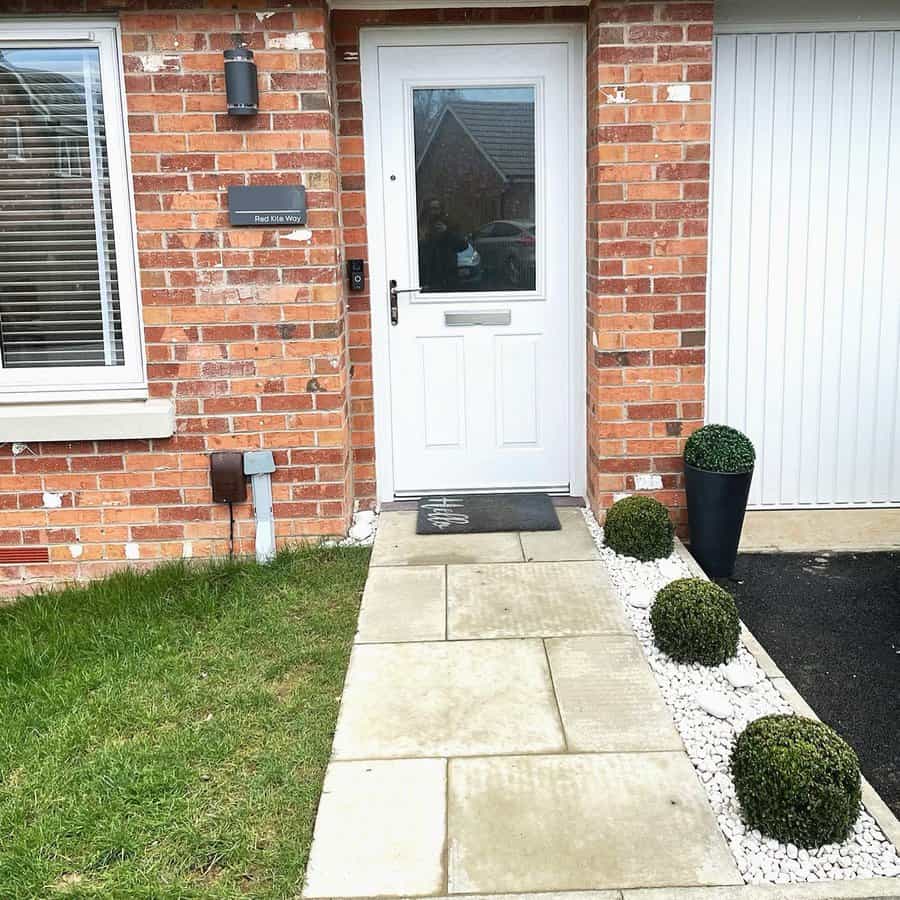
{"points": [[468, 266], [507, 251]]}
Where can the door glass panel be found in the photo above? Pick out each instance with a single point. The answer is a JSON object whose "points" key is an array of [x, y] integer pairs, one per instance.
{"points": [[475, 192]]}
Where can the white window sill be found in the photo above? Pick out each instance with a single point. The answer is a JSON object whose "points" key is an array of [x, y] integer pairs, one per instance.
{"points": [[86, 421]]}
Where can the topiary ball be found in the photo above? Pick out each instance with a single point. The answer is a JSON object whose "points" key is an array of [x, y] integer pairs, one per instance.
{"points": [[719, 448], [695, 621], [797, 780], [639, 526]]}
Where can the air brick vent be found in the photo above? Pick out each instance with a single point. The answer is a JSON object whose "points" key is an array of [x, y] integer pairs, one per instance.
{"points": [[10, 556]]}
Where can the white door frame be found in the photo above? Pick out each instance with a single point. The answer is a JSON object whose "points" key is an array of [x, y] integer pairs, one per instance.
{"points": [[370, 40]]}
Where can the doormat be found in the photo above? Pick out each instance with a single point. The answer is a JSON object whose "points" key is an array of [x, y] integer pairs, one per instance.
{"points": [[481, 513]]}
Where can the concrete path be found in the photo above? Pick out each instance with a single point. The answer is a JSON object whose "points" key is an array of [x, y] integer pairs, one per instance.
{"points": [[501, 733]]}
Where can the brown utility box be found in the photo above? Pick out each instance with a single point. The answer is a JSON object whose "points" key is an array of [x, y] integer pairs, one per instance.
{"points": [[226, 469]]}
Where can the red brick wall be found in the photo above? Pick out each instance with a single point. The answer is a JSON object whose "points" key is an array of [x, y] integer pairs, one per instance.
{"points": [[345, 27], [249, 331], [244, 327], [648, 182]]}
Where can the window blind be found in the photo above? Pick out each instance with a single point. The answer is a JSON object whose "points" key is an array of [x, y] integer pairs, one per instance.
{"points": [[59, 292]]}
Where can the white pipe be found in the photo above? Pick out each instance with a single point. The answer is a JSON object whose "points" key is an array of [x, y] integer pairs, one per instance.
{"points": [[265, 519], [259, 465]]}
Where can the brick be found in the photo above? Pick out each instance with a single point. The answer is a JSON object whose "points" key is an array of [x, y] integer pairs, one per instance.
{"points": [[609, 35], [654, 411], [623, 210], [625, 54], [681, 210], [655, 73], [622, 12], [687, 12], [684, 52], [683, 133], [622, 133], [655, 34], [661, 112], [683, 172]]}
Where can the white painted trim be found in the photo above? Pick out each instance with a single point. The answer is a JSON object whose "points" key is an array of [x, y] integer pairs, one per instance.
{"points": [[62, 27], [95, 382], [578, 265], [445, 4], [804, 27], [375, 235], [370, 40], [99, 421]]}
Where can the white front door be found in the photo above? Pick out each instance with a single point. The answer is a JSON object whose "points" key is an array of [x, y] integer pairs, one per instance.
{"points": [[475, 177]]}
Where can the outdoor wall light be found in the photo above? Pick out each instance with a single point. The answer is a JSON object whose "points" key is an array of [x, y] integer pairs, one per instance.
{"points": [[241, 89]]}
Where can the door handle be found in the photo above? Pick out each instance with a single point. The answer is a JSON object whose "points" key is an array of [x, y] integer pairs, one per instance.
{"points": [[392, 294]]}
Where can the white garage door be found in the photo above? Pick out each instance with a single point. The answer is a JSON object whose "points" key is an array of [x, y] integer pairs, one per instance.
{"points": [[804, 293]]}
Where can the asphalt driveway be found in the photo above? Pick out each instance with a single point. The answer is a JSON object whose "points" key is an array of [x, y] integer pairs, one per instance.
{"points": [[832, 624]]}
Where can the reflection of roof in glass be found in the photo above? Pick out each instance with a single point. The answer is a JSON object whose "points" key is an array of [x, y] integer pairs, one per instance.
{"points": [[55, 96], [504, 132]]}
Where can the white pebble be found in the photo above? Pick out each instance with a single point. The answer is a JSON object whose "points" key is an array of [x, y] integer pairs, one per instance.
{"points": [[740, 676], [362, 531], [642, 597], [714, 703], [708, 739], [672, 568]]}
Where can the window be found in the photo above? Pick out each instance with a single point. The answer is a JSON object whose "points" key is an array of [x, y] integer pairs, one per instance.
{"points": [[475, 188], [69, 315]]}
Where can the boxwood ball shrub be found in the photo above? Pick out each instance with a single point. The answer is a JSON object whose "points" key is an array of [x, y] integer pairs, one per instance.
{"points": [[640, 527], [797, 781], [695, 621], [719, 448]]}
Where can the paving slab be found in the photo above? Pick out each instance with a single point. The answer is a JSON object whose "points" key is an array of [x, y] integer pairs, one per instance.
{"points": [[811, 530], [380, 830], [397, 544], [532, 600], [572, 542], [846, 889], [581, 821], [403, 603], [461, 698], [608, 697], [543, 895]]}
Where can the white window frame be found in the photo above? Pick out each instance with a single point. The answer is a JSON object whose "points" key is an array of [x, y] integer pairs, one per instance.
{"points": [[128, 381]]}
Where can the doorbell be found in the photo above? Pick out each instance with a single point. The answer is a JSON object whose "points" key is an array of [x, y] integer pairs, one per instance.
{"points": [[356, 274]]}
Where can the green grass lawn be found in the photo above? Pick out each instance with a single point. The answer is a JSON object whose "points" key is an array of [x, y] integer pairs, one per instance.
{"points": [[165, 734]]}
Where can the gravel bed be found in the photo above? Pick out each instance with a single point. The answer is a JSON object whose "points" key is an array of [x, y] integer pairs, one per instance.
{"points": [[709, 712]]}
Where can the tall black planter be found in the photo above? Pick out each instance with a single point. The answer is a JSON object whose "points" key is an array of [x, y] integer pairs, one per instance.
{"points": [[716, 505]]}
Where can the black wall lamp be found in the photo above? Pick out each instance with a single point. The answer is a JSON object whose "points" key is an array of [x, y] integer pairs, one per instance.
{"points": [[241, 89]]}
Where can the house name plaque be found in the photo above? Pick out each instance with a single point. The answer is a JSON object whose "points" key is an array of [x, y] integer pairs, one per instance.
{"points": [[267, 204]]}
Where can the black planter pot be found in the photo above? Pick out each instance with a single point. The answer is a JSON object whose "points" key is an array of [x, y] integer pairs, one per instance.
{"points": [[716, 505]]}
